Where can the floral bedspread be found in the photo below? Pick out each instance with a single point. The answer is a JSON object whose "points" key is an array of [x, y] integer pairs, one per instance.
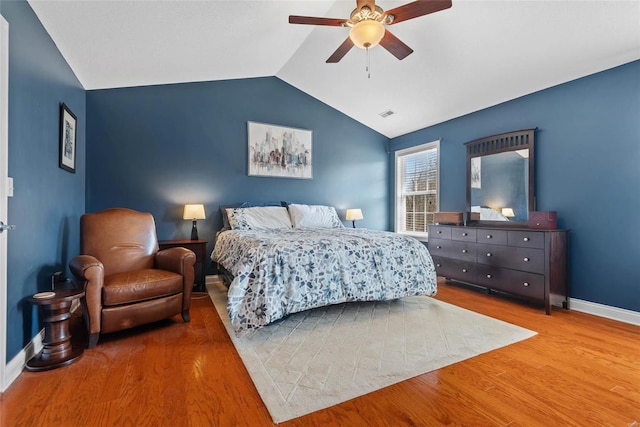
{"points": [[278, 272]]}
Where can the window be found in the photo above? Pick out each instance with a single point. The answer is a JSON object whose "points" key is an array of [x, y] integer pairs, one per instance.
{"points": [[417, 182]]}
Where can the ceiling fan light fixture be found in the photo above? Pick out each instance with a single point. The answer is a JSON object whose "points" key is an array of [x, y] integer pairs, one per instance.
{"points": [[367, 34]]}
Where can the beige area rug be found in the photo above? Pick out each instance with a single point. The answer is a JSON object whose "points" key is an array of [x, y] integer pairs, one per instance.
{"points": [[321, 357]]}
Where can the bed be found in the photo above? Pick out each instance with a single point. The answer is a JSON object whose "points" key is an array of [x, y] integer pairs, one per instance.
{"points": [[297, 263]]}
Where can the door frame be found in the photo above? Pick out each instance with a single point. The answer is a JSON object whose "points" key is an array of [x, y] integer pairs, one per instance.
{"points": [[4, 169]]}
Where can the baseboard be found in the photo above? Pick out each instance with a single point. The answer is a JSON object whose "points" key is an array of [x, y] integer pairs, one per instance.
{"points": [[16, 365], [610, 312]]}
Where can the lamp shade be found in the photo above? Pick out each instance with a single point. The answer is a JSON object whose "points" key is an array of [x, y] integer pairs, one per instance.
{"points": [[366, 34], [193, 212], [354, 214], [508, 212]]}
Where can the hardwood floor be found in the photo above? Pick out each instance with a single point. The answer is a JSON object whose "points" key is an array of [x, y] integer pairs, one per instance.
{"points": [[580, 370]]}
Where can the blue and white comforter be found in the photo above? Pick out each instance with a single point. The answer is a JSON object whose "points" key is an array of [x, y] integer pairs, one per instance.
{"points": [[278, 272]]}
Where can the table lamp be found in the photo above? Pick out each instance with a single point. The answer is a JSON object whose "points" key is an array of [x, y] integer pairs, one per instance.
{"points": [[194, 212], [354, 215]]}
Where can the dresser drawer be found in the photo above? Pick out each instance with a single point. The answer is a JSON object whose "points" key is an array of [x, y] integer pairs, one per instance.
{"points": [[464, 234], [492, 237], [525, 259], [452, 249], [455, 269], [526, 239], [528, 285], [439, 232]]}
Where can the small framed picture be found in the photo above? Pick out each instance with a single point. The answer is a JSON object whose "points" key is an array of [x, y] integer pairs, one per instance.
{"points": [[67, 139]]}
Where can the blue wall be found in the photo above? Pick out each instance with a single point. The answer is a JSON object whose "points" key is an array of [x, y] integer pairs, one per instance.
{"points": [[48, 201], [156, 148], [587, 169]]}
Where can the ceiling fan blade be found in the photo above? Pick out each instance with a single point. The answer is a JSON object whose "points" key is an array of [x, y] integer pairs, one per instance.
{"points": [[417, 8], [341, 51], [311, 20], [395, 46]]}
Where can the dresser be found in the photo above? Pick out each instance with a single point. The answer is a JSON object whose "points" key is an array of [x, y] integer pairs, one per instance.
{"points": [[520, 261]]}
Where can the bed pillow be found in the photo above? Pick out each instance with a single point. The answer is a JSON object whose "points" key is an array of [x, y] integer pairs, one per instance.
{"points": [[259, 218], [225, 209], [314, 216]]}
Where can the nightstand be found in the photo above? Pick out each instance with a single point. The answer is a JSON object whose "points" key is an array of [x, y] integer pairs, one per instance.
{"points": [[57, 350], [199, 247]]}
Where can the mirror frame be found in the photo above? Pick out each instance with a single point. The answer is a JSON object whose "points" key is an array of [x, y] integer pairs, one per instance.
{"points": [[499, 143]]}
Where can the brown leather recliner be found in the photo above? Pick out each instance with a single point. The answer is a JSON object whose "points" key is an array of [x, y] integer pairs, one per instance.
{"points": [[127, 281]]}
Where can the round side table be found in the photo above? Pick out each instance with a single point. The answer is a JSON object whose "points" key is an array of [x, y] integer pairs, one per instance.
{"points": [[57, 350]]}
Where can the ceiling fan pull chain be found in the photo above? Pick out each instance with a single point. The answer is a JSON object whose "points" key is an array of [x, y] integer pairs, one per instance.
{"points": [[368, 64]]}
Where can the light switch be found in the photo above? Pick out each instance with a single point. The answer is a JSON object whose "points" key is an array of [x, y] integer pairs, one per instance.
{"points": [[9, 187]]}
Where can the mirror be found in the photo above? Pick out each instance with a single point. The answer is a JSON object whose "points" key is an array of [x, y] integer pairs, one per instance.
{"points": [[500, 184]]}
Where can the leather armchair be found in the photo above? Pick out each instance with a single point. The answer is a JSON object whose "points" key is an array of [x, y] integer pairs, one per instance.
{"points": [[127, 281]]}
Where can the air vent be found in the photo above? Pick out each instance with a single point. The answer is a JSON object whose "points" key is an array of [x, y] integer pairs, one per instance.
{"points": [[387, 113]]}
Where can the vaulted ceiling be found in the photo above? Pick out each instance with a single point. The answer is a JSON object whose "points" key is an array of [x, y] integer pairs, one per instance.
{"points": [[474, 55]]}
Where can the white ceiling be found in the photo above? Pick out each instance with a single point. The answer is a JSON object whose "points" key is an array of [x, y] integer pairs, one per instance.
{"points": [[472, 56]]}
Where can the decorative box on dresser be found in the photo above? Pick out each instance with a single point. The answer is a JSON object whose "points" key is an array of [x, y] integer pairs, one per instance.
{"points": [[520, 261]]}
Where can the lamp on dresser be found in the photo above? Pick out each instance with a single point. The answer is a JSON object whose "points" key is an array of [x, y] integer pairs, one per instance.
{"points": [[194, 212], [354, 215]]}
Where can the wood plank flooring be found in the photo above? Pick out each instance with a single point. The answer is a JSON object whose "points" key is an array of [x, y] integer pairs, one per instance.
{"points": [[580, 370]]}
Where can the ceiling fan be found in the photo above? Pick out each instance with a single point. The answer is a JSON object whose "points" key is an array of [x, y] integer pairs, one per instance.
{"points": [[368, 21]]}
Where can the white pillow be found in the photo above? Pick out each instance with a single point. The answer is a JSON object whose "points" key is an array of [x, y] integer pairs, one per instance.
{"points": [[314, 216], [259, 218]]}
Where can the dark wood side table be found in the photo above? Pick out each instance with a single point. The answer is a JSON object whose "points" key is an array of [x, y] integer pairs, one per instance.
{"points": [[199, 247], [57, 350]]}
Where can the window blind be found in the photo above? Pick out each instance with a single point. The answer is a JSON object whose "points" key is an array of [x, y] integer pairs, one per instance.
{"points": [[417, 187]]}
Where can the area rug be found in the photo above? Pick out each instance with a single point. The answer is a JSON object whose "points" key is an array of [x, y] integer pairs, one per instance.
{"points": [[321, 357]]}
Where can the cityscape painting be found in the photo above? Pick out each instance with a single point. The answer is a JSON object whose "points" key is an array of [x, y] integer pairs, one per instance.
{"points": [[279, 151]]}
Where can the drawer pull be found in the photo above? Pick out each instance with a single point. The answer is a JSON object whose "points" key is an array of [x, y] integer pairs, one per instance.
{"points": [[489, 236], [489, 276], [438, 265], [488, 253], [465, 234], [526, 239], [438, 247], [526, 259], [439, 232], [464, 251], [464, 270], [526, 284]]}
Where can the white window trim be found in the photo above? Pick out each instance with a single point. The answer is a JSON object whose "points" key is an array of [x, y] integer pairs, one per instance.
{"points": [[398, 187]]}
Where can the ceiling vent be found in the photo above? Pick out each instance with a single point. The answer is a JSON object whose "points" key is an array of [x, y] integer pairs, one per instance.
{"points": [[386, 114]]}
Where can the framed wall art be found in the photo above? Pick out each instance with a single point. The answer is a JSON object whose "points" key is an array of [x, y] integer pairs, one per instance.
{"points": [[68, 124], [279, 151]]}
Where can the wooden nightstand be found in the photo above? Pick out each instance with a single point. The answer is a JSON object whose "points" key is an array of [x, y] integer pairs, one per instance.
{"points": [[199, 247], [57, 350]]}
